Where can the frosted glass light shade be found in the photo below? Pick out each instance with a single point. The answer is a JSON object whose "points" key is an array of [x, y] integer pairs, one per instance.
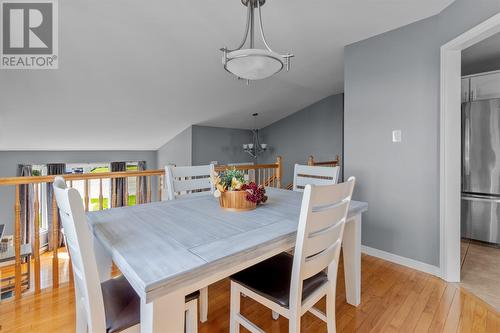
{"points": [[254, 64]]}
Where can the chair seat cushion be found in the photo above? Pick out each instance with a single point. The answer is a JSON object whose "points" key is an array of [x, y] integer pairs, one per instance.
{"points": [[122, 306], [272, 278]]}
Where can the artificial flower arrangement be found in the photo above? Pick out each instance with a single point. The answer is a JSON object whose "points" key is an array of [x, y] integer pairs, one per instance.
{"points": [[235, 193]]}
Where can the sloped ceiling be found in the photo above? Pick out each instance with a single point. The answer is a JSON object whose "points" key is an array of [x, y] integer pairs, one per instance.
{"points": [[133, 74]]}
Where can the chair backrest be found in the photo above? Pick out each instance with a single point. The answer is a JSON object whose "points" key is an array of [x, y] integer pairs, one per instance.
{"points": [[188, 180], [314, 175], [319, 235], [79, 243]]}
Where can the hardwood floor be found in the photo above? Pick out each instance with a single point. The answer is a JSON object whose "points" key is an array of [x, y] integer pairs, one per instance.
{"points": [[394, 299]]}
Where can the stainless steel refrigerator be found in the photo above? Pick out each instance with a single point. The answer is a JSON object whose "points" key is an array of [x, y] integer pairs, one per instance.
{"points": [[480, 217]]}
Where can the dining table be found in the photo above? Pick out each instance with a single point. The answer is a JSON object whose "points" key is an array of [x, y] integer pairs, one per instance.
{"points": [[169, 249]]}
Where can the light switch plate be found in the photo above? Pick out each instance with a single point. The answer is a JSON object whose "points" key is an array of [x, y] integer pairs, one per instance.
{"points": [[396, 136]]}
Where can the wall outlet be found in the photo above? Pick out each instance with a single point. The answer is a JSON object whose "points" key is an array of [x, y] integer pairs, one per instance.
{"points": [[396, 136]]}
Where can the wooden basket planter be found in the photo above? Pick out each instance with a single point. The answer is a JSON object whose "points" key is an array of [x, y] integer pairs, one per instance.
{"points": [[236, 201]]}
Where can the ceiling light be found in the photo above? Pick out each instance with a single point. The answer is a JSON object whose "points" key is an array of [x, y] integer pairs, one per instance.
{"points": [[254, 63], [255, 148]]}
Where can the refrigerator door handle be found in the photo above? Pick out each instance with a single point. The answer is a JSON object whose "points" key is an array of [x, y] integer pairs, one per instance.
{"points": [[467, 142], [481, 198]]}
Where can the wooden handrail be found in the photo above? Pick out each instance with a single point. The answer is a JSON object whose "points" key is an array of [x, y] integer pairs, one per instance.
{"points": [[220, 168], [9, 181], [312, 162], [268, 179]]}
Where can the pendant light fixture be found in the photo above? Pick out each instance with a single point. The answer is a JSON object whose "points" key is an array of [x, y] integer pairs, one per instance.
{"points": [[255, 148], [254, 63]]}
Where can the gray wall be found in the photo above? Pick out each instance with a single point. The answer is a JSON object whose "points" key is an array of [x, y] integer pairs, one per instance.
{"points": [[392, 82], [223, 145], [177, 151], [10, 159], [315, 130], [482, 57], [484, 65]]}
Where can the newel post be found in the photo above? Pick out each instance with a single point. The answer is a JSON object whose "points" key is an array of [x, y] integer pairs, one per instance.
{"points": [[278, 170], [310, 160]]}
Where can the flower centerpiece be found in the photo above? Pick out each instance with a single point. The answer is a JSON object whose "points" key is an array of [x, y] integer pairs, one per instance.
{"points": [[235, 193]]}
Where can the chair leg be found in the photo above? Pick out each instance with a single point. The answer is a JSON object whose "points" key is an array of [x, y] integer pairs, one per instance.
{"points": [[330, 309], [204, 304], [81, 319], [294, 323], [192, 317], [234, 326]]}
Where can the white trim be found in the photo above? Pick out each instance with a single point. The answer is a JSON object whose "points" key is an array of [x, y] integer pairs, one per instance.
{"points": [[450, 145], [394, 258]]}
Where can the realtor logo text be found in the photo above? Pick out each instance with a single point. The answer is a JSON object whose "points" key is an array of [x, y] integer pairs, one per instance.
{"points": [[29, 34]]}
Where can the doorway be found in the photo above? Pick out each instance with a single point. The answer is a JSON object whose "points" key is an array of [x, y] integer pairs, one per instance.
{"points": [[450, 144]]}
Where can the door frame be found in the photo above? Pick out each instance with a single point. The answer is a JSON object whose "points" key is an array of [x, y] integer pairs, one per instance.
{"points": [[450, 144]]}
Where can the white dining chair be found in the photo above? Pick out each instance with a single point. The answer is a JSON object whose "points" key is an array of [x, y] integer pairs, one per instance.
{"points": [[110, 306], [314, 175], [291, 285], [186, 181]]}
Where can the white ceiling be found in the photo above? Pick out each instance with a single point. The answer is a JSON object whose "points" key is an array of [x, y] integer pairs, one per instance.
{"points": [[133, 74]]}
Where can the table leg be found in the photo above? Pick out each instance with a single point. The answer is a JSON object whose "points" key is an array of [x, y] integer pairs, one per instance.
{"points": [[29, 271], [204, 304], [164, 314], [104, 261], [351, 247]]}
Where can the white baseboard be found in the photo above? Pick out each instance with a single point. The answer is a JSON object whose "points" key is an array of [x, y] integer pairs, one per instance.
{"points": [[411, 263]]}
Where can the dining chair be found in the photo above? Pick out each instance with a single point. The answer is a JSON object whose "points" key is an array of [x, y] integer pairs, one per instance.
{"points": [[290, 285], [110, 306], [314, 175], [186, 181]]}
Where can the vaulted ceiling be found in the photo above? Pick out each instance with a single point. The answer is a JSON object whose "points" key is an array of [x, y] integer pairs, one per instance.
{"points": [[132, 74]]}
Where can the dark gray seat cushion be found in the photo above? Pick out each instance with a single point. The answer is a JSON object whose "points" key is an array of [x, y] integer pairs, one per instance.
{"points": [[122, 305], [271, 279]]}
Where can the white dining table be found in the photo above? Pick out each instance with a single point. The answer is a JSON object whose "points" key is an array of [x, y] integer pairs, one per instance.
{"points": [[169, 249]]}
